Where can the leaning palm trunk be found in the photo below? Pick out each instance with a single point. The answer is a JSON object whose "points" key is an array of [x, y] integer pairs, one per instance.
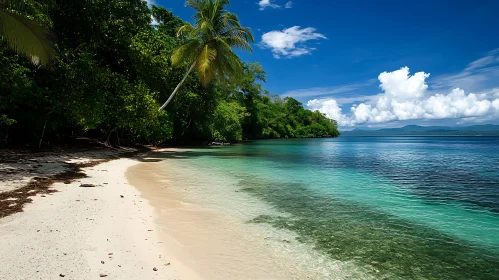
{"points": [[178, 87], [209, 44]]}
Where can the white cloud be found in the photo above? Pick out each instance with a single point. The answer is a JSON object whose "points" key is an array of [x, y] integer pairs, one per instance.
{"points": [[267, 4], [289, 5], [477, 76], [331, 109], [406, 97], [151, 2], [290, 42]]}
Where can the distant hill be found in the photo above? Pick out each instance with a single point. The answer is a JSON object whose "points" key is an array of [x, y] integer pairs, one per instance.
{"points": [[416, 130]]}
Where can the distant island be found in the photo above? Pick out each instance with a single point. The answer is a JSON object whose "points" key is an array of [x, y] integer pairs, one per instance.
{"points": [[416, 130]]}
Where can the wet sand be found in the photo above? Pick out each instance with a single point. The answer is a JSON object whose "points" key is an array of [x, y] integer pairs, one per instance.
{"points": [[215, 239]]}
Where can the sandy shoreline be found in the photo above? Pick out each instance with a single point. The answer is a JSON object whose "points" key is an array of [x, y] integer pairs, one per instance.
{"points": [[213, 245], [205, 222], [72, 231], [143, 214]]}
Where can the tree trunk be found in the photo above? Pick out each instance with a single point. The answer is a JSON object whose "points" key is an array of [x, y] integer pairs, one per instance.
{"points": [[178, 86], [43, 134], [108, 141], [118, 138]]}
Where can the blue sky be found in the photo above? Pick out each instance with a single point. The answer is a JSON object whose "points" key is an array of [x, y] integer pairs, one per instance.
{"points": [[366, 63]]}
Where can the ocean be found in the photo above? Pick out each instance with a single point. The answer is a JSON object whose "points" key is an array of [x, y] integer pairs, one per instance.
{"points": [[393, 207]]}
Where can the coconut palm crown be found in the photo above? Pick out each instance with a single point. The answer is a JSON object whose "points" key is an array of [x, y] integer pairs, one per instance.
{"points": [[23, 35], [210, 43]]}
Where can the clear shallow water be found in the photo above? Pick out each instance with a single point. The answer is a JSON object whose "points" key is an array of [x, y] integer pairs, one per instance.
{"points": [[400, 207]]}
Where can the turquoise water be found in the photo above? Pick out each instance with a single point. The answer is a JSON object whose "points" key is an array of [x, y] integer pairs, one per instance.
{"points": [[401, 207]]}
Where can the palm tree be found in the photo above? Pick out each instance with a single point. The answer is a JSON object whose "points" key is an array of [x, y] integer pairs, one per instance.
{"points": [[23, 35], [209, 44]]}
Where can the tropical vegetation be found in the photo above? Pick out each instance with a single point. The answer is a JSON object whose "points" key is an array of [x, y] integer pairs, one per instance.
{"points": [[111, 68], [23, 34]]}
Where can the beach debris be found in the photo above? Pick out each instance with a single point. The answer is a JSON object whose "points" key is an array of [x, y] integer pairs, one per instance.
{"points": [[155, 269], [167, 264], [103, 275], [67, 182], [62, 275], [87, 186], [119, 265], [149, 230], [122, 196], [43, 195], [102, 262], [110, 254]]}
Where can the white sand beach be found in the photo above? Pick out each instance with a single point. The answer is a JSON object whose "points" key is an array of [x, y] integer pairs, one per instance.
{"points": [[86, 232], [135, 223]]}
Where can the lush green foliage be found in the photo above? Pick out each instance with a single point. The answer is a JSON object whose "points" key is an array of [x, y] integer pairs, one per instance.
{"points": [[112, 69], [26, 30]]}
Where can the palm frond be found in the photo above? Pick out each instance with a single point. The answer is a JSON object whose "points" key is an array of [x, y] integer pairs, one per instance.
{"points": [[187, 52], [239, 43], [231, 20], [187, 30], [213, 35], [228, 63], [195, 4], [27, 37], [204, 65]]}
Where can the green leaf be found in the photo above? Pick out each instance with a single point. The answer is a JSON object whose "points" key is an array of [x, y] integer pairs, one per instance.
{"points": [[27, 37]]}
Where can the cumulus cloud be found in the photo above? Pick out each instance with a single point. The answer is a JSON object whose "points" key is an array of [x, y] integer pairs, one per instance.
{"points": [[331, 109], [267, 4], [290, 42], [406, 97]]}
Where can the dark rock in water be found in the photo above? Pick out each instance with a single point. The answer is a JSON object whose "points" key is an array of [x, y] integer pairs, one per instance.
{"points": [[87, 186]]}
